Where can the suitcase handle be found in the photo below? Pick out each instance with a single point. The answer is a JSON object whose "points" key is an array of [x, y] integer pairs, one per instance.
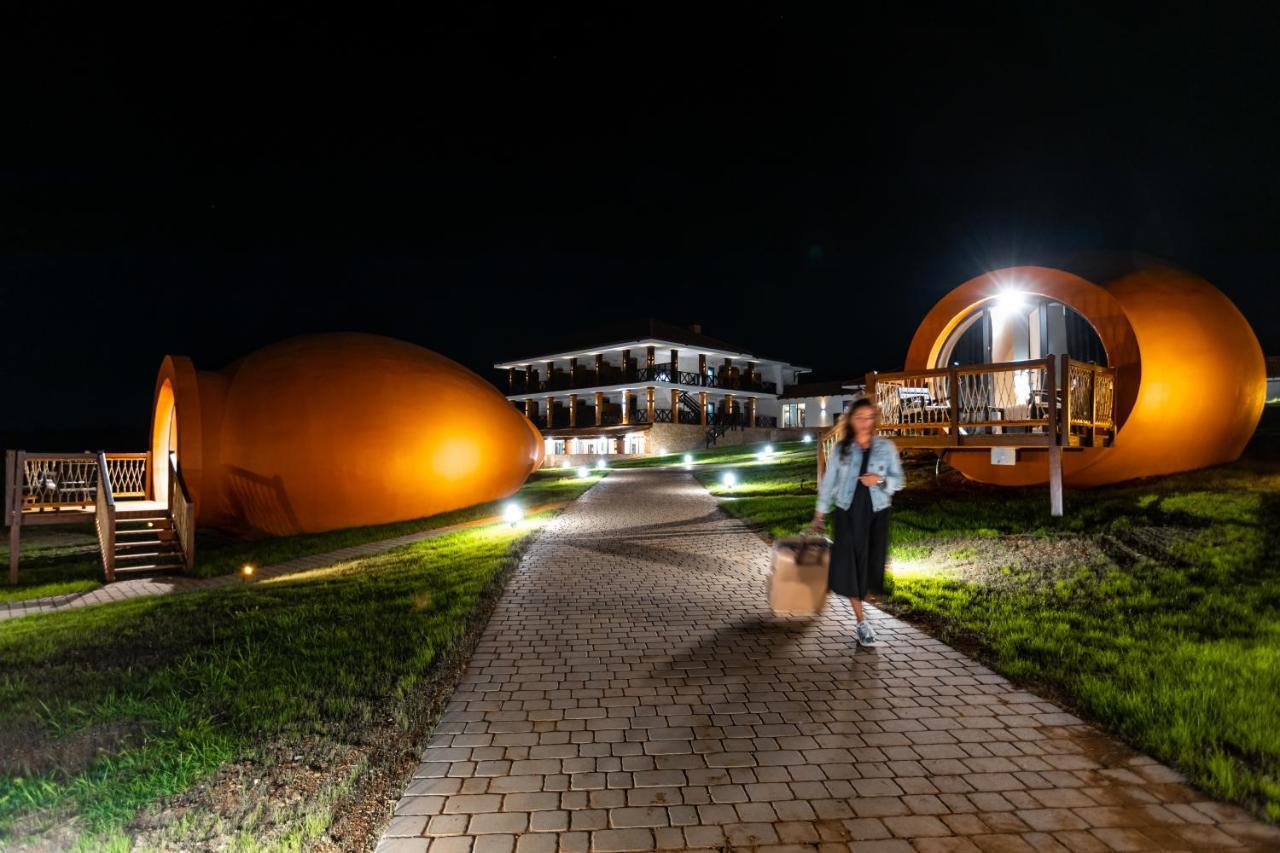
{"points": [[805, 546]]}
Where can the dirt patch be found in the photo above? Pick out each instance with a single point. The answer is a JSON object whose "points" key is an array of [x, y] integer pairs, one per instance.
{"points": [[26, 750], [1033, 562]]}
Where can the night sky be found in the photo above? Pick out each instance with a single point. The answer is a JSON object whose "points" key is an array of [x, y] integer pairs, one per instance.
{"points": [[477, 183]]}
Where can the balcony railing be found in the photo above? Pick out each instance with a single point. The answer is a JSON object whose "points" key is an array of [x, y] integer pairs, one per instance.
{"points": [[659, 373], [1020, 403], [662, 416]]}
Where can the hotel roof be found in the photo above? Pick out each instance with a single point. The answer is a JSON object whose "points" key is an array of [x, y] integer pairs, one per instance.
{"points": [[639, 334]]}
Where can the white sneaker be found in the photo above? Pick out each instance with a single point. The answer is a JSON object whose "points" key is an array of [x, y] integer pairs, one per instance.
{"points": [[867, 637]]}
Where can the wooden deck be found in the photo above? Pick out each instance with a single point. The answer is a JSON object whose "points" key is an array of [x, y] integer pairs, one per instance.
{"points": [[72, 514], [1055, 403]]}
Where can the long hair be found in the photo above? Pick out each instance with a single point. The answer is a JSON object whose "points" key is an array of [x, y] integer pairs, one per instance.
{"points": [[844, 427]]}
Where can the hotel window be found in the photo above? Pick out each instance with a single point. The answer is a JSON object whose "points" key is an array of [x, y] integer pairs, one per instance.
{"points": [[793, 414]]}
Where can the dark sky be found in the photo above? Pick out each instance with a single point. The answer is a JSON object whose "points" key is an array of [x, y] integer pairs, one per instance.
{"points": [[477, 182]]}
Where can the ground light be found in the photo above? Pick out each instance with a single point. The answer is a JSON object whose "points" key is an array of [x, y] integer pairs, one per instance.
{"points": [[806, 438], [688, 459], [246, 571], [600, 466], [513, 514], [729, 479], [662, 451], [583, 472]]}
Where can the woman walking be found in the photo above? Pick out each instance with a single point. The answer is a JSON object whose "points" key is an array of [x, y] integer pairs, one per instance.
{"points": [[863, 471]]}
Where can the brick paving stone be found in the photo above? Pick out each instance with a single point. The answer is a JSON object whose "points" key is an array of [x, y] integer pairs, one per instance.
{"points": [[632, 692]]}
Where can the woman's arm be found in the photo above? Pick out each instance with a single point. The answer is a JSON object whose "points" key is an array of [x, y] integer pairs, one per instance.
{"points": [[827, 486], [894, 477]]}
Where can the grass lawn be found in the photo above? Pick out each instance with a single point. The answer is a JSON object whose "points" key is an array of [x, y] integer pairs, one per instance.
{"points": [[242, 716], [60, 559], [1152, 607]]}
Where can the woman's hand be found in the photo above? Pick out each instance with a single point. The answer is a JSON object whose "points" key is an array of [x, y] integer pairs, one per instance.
{"points": [[869, 480], [818, 525]]}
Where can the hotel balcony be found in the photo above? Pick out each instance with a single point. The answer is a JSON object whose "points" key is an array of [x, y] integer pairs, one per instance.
{"points": [[640, 417], [610, 375]]}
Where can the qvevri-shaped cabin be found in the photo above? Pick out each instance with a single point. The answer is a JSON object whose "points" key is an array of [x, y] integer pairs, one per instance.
{"points": [[313, 433], [1098, 374]]}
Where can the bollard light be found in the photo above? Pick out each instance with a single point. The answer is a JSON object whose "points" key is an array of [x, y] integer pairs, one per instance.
{"points": [[688, 459], [729, 479], [662, 451], [247, 570], [806, 438], [513, 514], [768, 450], [600, 466], [583, 472]]}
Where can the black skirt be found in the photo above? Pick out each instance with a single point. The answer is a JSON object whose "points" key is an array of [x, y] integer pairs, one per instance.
{"points": [[860, 548]]}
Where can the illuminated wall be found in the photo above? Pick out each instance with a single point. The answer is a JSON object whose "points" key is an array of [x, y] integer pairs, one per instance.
{"points": [[1189, 370], [329, 431]]}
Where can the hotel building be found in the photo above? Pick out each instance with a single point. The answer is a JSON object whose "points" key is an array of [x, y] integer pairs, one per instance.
{"points": [[649, 388]]}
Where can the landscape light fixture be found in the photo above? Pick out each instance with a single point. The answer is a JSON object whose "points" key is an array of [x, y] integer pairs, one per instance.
{"points": [[688, 459], [513, 514], [247, 570], [768, 450], [583, 472], [806, 438], [729, 479], [662, 451], [600, 466]]}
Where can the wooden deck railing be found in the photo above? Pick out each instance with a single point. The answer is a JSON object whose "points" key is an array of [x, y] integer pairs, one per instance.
{"points": [[1046, 402], [182, 510], [1017, 403], [104, 519], [55, 481]]}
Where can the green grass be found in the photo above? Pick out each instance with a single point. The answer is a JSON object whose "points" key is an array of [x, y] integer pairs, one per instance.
{"points": [[62, 559], [730, 454], [177, 686], [1165, 628]]}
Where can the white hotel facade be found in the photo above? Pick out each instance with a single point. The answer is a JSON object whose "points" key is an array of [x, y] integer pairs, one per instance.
{"points": [[651, 388]]}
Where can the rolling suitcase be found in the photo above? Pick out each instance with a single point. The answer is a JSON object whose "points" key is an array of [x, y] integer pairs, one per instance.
{"points": [[798, 577]]}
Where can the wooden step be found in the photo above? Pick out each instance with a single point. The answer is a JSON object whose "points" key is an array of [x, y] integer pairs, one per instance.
{"points": [[161, 533], [145, 555], [150, 567], [143, 543], [142, 519]]}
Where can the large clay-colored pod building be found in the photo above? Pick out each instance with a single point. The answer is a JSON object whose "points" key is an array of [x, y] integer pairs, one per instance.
{"points": [[1189, 372], [337, 430]]}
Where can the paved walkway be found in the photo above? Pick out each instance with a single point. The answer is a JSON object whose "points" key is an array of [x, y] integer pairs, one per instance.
{"points": [[141, 587], [631, 691]]}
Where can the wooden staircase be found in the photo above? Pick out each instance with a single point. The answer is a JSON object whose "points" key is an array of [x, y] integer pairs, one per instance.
{"points": [[145, 541], [145, 536]]}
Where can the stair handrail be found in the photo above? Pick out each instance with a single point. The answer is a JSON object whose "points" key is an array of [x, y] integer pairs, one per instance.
{"points": [[104, 518], [825, 443], [183, 512]]}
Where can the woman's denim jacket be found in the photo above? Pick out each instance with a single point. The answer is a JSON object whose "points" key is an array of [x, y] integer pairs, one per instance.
{"points": [[884, 461]]}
